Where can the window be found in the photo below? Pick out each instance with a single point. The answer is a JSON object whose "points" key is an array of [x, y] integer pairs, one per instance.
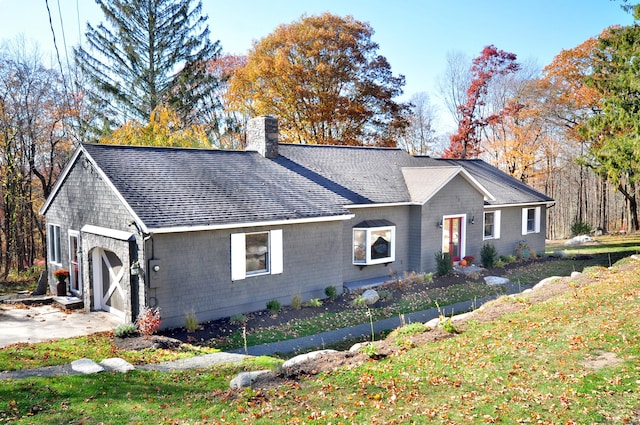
{"points": [[257, 253], [53, 244], [530, 220], [492, 225], [374, 242]]}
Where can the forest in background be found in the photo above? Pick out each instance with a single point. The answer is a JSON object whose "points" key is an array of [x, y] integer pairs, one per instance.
{"points": [[569, 130]]}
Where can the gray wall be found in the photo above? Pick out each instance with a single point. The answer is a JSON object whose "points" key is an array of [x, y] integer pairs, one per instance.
{"points": [[511, 231], [85, 198], [195, 272], [400, 216], [456, 198]]}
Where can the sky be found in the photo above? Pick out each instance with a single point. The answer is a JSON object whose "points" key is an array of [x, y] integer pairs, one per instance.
{"points": [[414, 35]]}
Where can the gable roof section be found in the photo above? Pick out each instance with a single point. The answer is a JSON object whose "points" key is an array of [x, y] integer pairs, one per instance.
{"points": [[424, 182], [363, 175], [506, 189], [173, 188]]}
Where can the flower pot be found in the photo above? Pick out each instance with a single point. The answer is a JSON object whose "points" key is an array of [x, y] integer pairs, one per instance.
{"points": [[61, 288]]}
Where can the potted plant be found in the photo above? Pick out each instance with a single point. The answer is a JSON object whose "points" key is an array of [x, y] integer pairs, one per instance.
{"points": [[61, 276]]}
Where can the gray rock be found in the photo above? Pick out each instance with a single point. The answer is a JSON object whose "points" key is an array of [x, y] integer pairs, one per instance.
{"points": [[579, 240], [86, 366], [245, 379], [116, 364], [575, 274], [304, 357], [495, 280], [371, 296], [356, 347], [433, 323]]}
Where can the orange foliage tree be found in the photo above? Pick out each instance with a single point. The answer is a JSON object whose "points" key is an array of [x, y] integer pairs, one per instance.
{"points": [[322, 78]]}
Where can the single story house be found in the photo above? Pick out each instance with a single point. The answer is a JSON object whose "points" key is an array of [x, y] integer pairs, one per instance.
{"points": [[217, 233]]}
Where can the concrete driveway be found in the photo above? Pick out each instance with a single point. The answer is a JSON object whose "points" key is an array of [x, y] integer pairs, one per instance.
{"points": [[46, 322]]}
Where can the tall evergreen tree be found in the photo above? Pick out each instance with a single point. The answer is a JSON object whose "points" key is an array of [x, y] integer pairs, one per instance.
{"points": [[153, 52]]}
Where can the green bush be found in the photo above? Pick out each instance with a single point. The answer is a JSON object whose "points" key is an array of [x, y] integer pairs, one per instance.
{"points": [[314, 302], [191, 322], [444, 265], [488, 255], [428, 278], [273, 305], [125, 330], [580, 228], [331, 292], [238, 319]]}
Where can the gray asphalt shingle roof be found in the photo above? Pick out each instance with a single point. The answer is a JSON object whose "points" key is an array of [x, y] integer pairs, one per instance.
{"points": [[174, 187], [169, 187]]}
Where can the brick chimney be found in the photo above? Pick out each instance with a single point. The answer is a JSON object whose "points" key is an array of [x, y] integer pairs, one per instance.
{"points": [[262, 136]]}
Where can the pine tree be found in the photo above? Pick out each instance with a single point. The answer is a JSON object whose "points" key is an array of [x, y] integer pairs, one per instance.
{"points": [[152, 53]]}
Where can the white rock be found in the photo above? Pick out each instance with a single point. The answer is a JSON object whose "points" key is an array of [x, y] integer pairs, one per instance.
{"points": [[547, 281], [245, 379], [579, 240], [117, 364], [86, 366], [495, 280], [575, 274], [356, 347], [304, 357], [433, 323], [371, 296]]}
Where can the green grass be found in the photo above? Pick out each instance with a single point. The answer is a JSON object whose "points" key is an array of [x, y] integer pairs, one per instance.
{"points": [[526, 367]]}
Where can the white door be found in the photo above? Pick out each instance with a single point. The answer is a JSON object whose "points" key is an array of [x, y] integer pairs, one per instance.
{"points": [[108, 273], [75, 272]]}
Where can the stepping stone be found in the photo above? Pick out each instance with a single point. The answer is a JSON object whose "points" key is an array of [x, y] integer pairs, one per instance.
{"points": [[116, 364], [86, 366], [496, 280]]}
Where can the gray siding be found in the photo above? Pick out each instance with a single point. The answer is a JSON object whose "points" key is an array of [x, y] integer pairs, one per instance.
{"points": [[400, 216], [195, 272], [83, 199], [511, 231], [458, 197]]}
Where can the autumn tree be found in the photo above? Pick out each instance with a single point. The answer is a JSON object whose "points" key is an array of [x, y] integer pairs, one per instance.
{"points": [[323, 79], [164, 128], [420, 135], [614, 131], [35, 142], [466, 142], [149, 53]]}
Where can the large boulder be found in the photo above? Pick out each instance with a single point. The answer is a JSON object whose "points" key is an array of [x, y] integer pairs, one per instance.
{"points": [[370, 296], [86, 366], [496, 280], [246, 379]]}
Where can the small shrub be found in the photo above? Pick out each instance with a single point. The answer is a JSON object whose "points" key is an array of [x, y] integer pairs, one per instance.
{"points": [[448, 326], [296, 302], [370, 349], [273, 305], [385, 295], [148, 321], [488, 255], [331, 292], [238, 319], [125, 330], [580, 228], [314, 302], [359, 301], [191, 322], [428, 278], [444, 265], [410, 329]]}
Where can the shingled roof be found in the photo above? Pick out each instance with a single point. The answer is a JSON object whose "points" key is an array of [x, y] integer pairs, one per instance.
{"points": [[174, 187]]}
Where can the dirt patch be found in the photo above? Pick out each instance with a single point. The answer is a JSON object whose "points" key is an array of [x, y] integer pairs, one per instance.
{"points": [[601, 360]]}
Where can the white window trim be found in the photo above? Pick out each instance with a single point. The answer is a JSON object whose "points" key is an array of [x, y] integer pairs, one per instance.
{"points": [[525, 211], [239, 255], [368, 261], [496, 224], [54, 241]]}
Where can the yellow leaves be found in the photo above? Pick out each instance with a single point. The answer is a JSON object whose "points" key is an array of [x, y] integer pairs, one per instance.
{"points": [[163, 129]]}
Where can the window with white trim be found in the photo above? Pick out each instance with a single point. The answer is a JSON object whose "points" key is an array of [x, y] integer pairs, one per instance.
{"points": [[374, 244], [256, 253], [53, 244], [492, 225], [531, 220]]}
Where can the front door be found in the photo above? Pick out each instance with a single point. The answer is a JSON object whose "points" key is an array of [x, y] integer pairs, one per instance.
{"points": [[452, 237], [108, 273], [75, 273]]}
